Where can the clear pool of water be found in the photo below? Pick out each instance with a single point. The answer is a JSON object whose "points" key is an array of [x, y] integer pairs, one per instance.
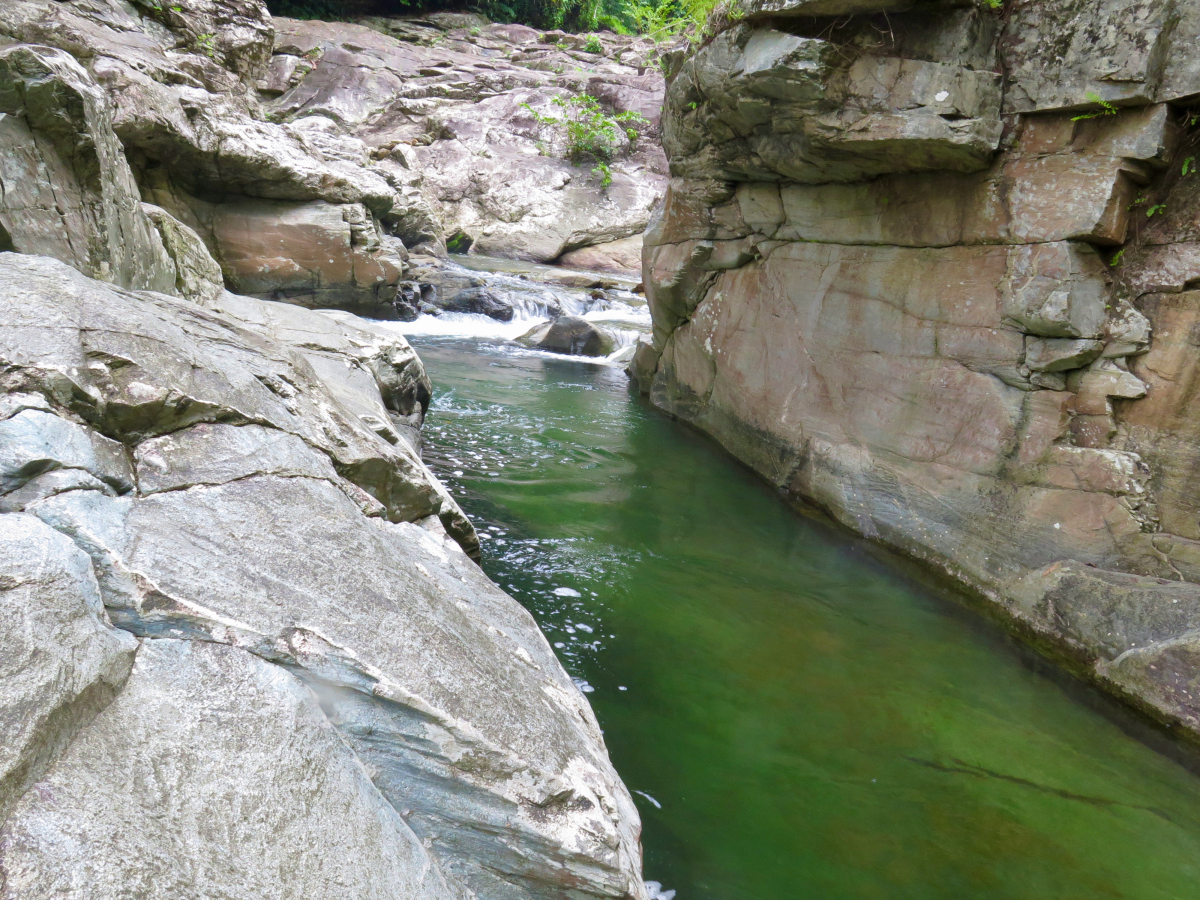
{"points": [[796, 718]]}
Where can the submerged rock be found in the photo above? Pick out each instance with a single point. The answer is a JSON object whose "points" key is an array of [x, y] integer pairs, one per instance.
{"points": [[571, 335]]}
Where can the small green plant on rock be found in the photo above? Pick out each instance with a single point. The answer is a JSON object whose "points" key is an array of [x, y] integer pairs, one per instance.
{"points": [[207, 45], [590, 131], [593, 45], [1106, 108]]}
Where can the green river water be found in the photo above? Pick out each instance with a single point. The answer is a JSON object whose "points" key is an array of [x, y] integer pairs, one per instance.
{"points": [[809, 722]]}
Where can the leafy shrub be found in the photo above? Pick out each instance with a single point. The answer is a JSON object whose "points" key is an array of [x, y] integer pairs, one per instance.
{"points": [[658, 18], [591, 133], [593, 45]]}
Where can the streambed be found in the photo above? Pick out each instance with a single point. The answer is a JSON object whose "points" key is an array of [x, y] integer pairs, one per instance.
{"points": [[796, 717]]}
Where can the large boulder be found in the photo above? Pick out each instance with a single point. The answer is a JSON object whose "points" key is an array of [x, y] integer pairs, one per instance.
{"points": [[314, 254], [570, 335], [66, 189], [322, 665]]}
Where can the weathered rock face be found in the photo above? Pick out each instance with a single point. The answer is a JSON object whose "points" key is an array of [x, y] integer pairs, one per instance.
{"points": [[65, 188], [896, 308], [327, 690], [304, 155], [446, 112]]}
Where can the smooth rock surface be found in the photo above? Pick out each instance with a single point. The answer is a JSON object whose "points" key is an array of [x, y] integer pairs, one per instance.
{"points": [[61, 661], [174, 791]]}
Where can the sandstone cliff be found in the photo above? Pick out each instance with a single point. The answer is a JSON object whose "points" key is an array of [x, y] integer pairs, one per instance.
{"points": [[245, 651], [930, 266]]}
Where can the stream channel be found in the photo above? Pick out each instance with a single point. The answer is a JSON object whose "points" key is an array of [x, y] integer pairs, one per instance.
{"points": [[796, 717]]}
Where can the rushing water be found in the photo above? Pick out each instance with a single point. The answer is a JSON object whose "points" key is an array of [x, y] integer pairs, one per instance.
{"points": [[797, 719]]}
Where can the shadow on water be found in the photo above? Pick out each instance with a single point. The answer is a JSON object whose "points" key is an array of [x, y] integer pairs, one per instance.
{"points": [[798, 714]]}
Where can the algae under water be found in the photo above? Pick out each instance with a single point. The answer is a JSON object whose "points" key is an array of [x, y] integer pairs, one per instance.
{"points": [[796, 718]]}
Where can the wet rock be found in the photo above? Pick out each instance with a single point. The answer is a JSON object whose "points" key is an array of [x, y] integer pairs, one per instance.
{"points": [[571, 335], [478, 300]]}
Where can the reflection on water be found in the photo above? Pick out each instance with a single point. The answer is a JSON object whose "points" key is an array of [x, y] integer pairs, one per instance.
{"points": [[796, 720]]}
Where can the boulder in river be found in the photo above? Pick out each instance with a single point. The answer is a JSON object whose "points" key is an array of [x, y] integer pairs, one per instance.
{"points": [[571, 335]]}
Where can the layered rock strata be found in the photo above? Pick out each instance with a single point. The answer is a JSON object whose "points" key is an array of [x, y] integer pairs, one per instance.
{"points": [[928, 267]]}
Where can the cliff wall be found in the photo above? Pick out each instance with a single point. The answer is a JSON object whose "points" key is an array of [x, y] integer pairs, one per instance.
{"points": [[929, 266]]}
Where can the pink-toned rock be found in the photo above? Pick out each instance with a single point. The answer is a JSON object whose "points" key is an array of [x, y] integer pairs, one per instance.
{"points": [[312, 253], [934, 337], [623, 257]]}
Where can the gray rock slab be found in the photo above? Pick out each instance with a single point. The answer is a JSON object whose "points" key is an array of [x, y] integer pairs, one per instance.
{"points": [[214, 774], [61, 661], [33, 442], [462, 703], [218, 454]]}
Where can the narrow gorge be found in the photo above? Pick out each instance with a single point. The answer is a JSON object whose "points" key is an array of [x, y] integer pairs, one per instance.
{"points": [[402, 411]]}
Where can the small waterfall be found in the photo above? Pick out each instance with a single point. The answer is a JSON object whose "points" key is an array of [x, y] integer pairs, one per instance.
{"points": [[536, 294]]}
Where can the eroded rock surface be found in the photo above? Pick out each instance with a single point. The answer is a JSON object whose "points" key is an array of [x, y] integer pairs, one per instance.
{"points": [[328, 690], [912, 269], [304, 157]]}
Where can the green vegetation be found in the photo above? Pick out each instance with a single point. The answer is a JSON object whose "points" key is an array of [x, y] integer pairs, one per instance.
{"points": [[1105, 108], [593, 45], [657, 18], [591, 133]]}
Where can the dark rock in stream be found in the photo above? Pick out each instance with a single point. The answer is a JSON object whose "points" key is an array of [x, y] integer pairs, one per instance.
{"points": [[479, 300], [571, 335]]}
